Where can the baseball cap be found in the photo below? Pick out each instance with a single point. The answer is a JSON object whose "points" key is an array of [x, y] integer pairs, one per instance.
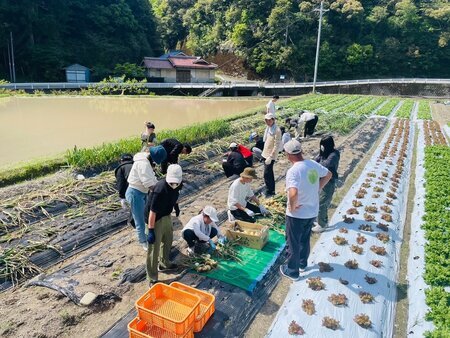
{"points": [[211, 212], [293, 147], [269, 116], [174, 174], [233, 145]]}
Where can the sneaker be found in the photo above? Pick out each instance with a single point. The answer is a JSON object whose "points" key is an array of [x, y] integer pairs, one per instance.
{"points": [[317, 228], [145, 246], [190, 252], [301, 270], [291, 275], [171, 266]]}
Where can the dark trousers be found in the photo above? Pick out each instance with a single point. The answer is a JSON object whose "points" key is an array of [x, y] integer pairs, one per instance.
{"points": [[230, 170], [269, 178], [249, 161], [190, 237], [242, 215], [310, 126], [298, 233], [326, 195]]}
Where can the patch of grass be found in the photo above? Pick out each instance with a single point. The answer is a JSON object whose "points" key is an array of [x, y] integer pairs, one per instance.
{"points": [[68, 319], [117, 272]]}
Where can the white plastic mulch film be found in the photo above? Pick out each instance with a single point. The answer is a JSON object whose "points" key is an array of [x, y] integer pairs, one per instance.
{"points": [[381, 191], [417, 308]]}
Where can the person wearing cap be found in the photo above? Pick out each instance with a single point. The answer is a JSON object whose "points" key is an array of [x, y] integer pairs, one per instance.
{"points": [[201, 228], [161, 202], [140, 179], [270, 106], [259, 145], [329, 157], [309, 120], [173, 148], [148, 137], [121, 173], [234, 163], [304, 180], [272, 146], [239, 195]]}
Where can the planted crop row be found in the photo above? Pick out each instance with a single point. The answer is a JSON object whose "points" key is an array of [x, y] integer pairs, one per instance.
{"points": [[355, 105], [345, 100], [405, 110], [307, 102], [424, 111], [387, 109], [370, 107], [437, 227]]}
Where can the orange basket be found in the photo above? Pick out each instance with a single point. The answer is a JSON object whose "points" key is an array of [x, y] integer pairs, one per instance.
{"points": [[206, 304], [139, 328], [169, 308]]}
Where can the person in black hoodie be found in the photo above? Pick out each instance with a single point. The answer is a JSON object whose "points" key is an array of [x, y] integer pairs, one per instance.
{"points": [[173, 148], [328, 157], [121, 173]]}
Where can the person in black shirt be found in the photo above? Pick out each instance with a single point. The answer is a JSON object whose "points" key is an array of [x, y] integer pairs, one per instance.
{"points": [[234, 163], [160, 203], [173, 148], [329, 158], [258, 147], [121, 173]]}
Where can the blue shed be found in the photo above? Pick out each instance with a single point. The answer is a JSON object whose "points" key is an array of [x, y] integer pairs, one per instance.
{"points": [[77, 73]]}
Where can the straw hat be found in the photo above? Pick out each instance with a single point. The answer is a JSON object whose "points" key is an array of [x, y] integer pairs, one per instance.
{"points": [[249, 173]]}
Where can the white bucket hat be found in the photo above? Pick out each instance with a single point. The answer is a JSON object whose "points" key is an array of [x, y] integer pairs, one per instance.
{"points": [[211, 212], [174, 174]]}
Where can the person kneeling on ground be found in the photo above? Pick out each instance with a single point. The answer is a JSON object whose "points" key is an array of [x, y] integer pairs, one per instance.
{"points": [[122, 172], [201, 228], [234, 163], [240, 191], [259, 145], [161, 201], [173, 148], [140, 179]]}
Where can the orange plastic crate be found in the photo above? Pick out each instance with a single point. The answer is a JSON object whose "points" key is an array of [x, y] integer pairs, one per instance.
{"points": [[139, 328], [169, 308], [206, 304]]}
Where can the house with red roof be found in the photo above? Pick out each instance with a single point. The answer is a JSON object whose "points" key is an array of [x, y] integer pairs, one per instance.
{"points": [[177, 67]]}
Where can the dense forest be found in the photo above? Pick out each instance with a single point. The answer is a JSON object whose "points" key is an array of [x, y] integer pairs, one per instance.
{"points": [[360, 39]]}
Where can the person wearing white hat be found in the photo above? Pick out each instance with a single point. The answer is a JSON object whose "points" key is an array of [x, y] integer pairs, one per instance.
{"points": [[272, 145], [160, 204], [201, 228], [233, 162], [304, 180]]}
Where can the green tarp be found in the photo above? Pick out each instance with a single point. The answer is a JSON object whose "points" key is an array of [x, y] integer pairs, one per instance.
{"points": [[254, 265]]}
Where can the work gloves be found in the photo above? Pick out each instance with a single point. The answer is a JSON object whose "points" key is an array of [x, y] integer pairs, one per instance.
{"points": [[151, 236], [268, 161], [212, 245], [263, 210], [222, 240], [249, 212]]}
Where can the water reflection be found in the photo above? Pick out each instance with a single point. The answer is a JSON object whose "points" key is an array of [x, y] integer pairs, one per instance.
{"points": [[36, 127]]}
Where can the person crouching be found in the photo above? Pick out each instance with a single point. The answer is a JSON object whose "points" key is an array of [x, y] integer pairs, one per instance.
{"points": [[201, 228]]}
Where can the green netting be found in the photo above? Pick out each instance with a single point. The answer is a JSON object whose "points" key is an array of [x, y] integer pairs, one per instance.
{"points": [[254, 265]]}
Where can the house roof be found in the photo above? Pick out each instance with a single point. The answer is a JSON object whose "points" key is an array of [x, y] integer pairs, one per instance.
{"points": [[172, 53], [191, 62], [76, 66], [157, 63]]}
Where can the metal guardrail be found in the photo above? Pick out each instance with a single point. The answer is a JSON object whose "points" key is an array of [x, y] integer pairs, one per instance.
{"points": [[226, 85]]}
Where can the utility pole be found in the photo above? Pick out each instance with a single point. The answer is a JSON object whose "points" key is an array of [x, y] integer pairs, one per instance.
{"points": [[12, 57], [321, 11], [9, 61]]}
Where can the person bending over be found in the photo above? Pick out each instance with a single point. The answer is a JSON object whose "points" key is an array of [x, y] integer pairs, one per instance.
{"points": [[173, 148]]}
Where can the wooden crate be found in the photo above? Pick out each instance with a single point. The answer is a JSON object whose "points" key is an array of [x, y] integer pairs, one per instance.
{"points": [[255, 241]]}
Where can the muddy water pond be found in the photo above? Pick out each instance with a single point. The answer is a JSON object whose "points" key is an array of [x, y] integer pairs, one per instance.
{"points": [[32, 128]]}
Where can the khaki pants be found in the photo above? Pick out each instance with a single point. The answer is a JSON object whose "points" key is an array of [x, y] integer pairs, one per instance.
{"points": [[163, 242]]}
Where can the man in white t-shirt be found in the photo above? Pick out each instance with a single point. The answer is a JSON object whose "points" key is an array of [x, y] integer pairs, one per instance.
{"points": [[270, 106], [304, 180], [309, 120], [240, 193]]}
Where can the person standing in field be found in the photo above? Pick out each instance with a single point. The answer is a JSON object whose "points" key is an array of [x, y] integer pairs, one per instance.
{"points": [[329, 158], [140, 180], [122, 172], [161, 202], [270, 106], [272, 145], [304, 180], [173, 148], [148, 137], [309, 120]]}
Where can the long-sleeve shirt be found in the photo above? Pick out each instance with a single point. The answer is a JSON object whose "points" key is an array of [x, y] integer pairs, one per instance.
{"points": [[141, 176], [272, 142], [173, 148], [200, 228], [122, 172], [331, 162]]}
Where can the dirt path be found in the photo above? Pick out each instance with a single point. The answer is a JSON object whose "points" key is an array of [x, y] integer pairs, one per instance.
{"points": [[440, 113], [46, 313]]}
